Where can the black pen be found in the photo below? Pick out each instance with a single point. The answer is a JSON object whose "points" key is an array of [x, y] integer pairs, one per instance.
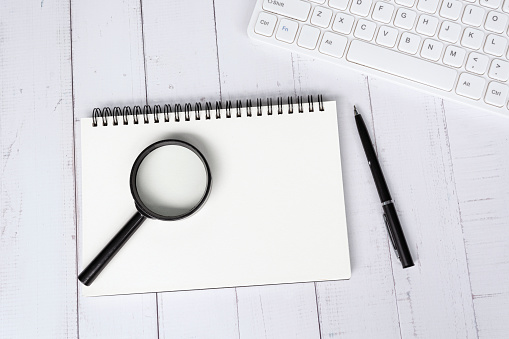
{"points": [[390, 216]]}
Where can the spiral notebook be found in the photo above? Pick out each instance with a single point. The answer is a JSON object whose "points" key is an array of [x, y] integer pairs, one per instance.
{"points": [[275, 213]]}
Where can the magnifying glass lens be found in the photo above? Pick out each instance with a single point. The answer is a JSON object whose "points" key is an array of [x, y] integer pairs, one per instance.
{"points": [[171, 180]]}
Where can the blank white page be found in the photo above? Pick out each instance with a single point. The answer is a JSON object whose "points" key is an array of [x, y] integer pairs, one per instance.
{"points": [[275, 213]]}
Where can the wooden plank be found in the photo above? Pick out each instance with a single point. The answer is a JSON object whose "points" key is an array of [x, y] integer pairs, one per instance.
{"points": [[183, 68], [365, 305], [108, 64], [491, 314], [479, 151], [198, 314], [37, 185], [180, 49], [246, 71], [37, 223], [278, 311], [108, 70], [434, 297], [283, 311]]}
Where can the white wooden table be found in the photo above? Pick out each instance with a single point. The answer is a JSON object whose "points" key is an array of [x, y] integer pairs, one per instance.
{"points": [[447, 166]]}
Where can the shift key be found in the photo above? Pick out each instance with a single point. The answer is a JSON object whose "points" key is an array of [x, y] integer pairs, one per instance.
{"points": [[294, 9]]}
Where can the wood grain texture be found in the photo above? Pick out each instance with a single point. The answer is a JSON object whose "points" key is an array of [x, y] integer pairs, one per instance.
{"points": [[248, 70], [107, 50], [108, 70], [180, 51], [37, 224], [198, 314], [283, 311], [445, 163], [181, 65], [365, 305], [434, 297], [278, 311], [479, 148]]}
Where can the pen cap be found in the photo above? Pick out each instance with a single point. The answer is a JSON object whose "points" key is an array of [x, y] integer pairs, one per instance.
{"points": [[397, 236]]}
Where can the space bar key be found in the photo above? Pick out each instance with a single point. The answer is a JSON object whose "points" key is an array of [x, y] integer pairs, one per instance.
{"points": [[401, 65]]}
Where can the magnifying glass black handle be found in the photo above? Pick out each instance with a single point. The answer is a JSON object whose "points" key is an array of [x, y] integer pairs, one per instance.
{"points": [[88, 275]]}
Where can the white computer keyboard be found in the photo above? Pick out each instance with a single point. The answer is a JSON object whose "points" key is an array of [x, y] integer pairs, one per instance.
{"points": [[454, 49]]}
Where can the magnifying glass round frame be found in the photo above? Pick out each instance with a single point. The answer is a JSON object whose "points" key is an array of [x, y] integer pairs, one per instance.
{"points": [[142, 208]]}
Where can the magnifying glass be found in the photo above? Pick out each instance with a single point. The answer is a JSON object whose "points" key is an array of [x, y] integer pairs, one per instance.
{"points": [[170, 180]]}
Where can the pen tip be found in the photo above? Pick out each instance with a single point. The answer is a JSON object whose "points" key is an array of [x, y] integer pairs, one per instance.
{"points": [[355, 110]]}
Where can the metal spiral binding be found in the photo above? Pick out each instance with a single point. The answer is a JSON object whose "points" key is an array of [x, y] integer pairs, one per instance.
{"points": [[208, 108], [239, 108], [137, 111], [229, 109], [116, 113], [219, 107], [166, 111], [197, 110], [157, 111], [187, 112], [178, 110]]}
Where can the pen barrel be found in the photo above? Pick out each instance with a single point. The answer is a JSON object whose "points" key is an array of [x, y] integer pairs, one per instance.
{"points": [[397, 236], [374, 165]]}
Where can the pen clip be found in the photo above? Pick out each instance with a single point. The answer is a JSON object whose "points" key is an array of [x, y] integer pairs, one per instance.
{"points": [[391, 235]]}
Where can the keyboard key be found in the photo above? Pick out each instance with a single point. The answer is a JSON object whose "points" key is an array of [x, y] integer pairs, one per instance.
{"points": [[449, 32], [472, 38], [339, 4], [295, 9], [287, 30], [451, 9], [499, 70], [495, 22], [477, 63], [490, 3], [365, 30], [265, 24], [333, 44], [473, 15], [427, 25], [495, 45], [361, 7], [401, 65], [308, 37], [496, 94], [409, 43], [428, 6], [387, 36], [382, 12], [470, 86], [343, 23], [406, 3], [405, 18], [321, 17], [432, 49], [430, 42], [454, 56]]}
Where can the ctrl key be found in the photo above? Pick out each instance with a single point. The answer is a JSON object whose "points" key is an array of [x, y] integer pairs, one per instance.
{"points": [[265, 24], [496, 94]]}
